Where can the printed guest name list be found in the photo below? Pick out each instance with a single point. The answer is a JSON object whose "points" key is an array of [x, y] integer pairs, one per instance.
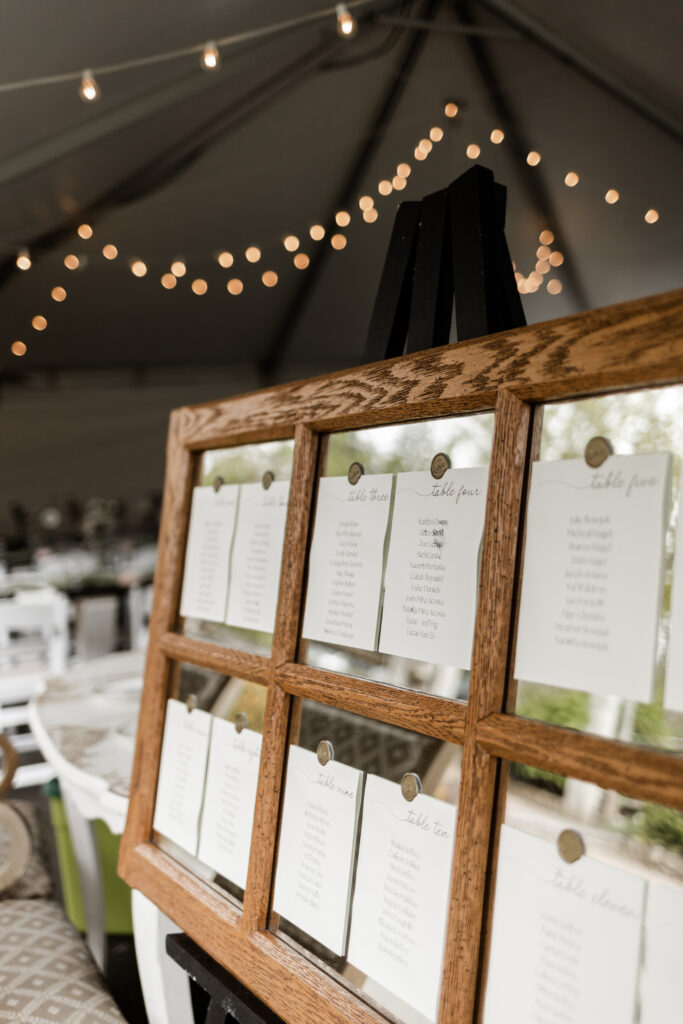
{"points": [[431, 579], [345, 569], [593, 573]]}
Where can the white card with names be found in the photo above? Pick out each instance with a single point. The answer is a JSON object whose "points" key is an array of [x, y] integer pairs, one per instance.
{"points": [[661, 993], [431, 579], [673, 687], [400, 905], [346, 561], [229, 800], [207, 557], [317, 846], [565, 943], [257, 556], [593, 574], [182, 771]]}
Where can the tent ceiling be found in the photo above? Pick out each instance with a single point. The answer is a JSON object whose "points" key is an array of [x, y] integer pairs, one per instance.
{"points": [[173, 161]]}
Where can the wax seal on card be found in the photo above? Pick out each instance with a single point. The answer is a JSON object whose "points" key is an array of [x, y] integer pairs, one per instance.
{"points": [[410, 786], [241, 721], [191, 701], [570, 845], [267, 479], [325, 752], [440, 463], [218, 482], [354, 473], [597, 450]]}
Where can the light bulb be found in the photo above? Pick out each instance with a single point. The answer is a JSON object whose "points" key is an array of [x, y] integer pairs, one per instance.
{"points": [[178, 268], [210, 58], [436, 133], [419, 154], [110, 252], [301, 261], [473, 151], [169, 281], [342, 218], [543, 252], [89, 90], [385, 187], [253, 254], [425, 145], [39, 323], [235, 286], [338, 242], [58, 293], [556, 259], [571, 179], [138, 268], [366, 202], [317, 232], [269, 278], [71, 261], [611, 196], [533, 158], [18, 348], [554, 286], [651, 217], [199, 286], [399, 182], [451, 109], [546, 237], [291, 243], [497, 136], [84, 231], [225, 259], [347, 26], [23, 260], [403, 170], [370, 216]]}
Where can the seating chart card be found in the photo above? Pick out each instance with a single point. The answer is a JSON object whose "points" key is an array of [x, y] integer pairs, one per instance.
{"points": [[317, 846], [207, 557], [181, 774], [565, 943], [400, 906], [346, 561], [257, 556], [673, 688], [593, 572], [431, 579], [661, 994], [229, 800]]}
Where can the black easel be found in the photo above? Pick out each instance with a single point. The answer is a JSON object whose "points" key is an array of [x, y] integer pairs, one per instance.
{"points": [[451, 246]]}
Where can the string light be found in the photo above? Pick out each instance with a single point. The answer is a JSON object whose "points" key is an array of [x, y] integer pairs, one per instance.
{"points": [[436, 133], [235, 286], [168, 281], [58, 293], [533, 158], [225, 259], [571, 179], [39, 323], [473, 151], [554, 286], [210, 58], [366, 202], [651, 217], [199, 286], [342, 218], [347, 26], [370, 216], [178, 268], [110, 252], [18, 348], [419, 154], [497, 136], [611, 196], [451, 110], [543, 252], [84, 231], [317, 232], [138, 268], [23, 260], [425, 146], [403, 170], [338, 242], [301, 261], [546, 237], [556, 259], [269, 278], [253, 254], [542, 266], [385, 187], [291, 243], [71, 261], [399, 182], [89, 89]]}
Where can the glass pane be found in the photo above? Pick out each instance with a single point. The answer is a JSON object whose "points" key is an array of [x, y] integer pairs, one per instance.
{"points": [[363, 873], [209, 770], [588, 912], [235, 546], [394, 585], [607, 569]]}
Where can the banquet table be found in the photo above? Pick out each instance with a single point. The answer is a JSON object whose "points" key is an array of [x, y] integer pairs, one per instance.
{"points": [[85, 723]]}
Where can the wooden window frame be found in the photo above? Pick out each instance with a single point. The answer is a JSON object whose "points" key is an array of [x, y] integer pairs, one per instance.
{"points": [[628, 346]]}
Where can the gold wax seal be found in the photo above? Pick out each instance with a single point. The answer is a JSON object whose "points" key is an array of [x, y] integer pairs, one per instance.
{"points": [[240, 721], [440, 463], [597, 450], [410, 786], [354, 473], [191, 701], [570, 845], [218, 482], [325, 752], [267, 479]]}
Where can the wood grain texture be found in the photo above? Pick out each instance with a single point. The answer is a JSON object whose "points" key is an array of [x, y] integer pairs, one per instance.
{"points": [[634, 771], [285, 640], [476, 800], [226, 660], [605, 349], [409, 709]]}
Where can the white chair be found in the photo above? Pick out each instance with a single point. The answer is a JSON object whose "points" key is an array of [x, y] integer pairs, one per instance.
{"points": [[34, 643], [97, 627], [139, 612]]}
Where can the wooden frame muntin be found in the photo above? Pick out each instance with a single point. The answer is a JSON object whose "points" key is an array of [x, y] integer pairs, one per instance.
{"points": [[634, 345]]}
